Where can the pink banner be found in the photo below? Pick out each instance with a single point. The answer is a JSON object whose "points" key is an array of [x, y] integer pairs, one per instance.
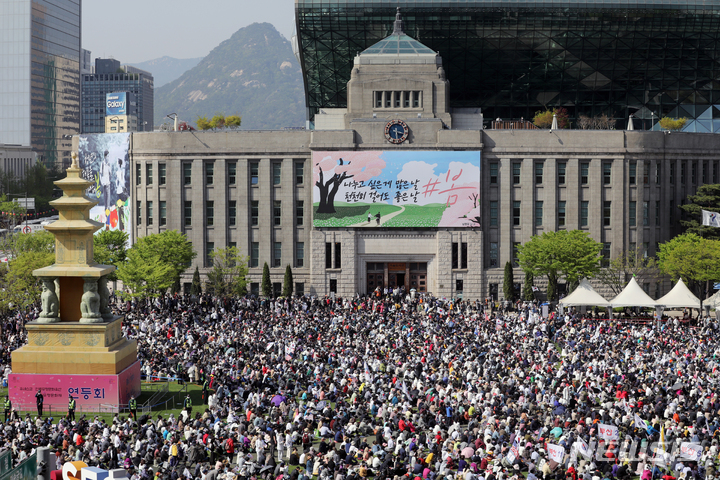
{"points": [[85, 389]]}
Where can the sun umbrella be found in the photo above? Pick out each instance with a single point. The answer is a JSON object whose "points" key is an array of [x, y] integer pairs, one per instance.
{"points": [[277, 400], [467, 452], [557, 431]]}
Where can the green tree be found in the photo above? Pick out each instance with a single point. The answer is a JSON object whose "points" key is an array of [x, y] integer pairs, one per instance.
{"points": [[22, 288], [196, 287], [707, 197], [170, 252], [203, 123], [110, 248], [563, 254], [288, 282], [228, 275], [233, 121], [11, 213], [218, 122], [266, 286], [617, 272], [694, 259], [509, 283], [674, 124], [528, 293], [543, 119]]}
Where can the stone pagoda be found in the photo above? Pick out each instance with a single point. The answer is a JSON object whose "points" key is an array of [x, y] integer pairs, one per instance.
{"points": [[76, 334]]}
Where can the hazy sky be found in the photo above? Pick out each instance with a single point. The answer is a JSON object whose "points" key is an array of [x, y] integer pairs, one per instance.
{"points": [[133, 31]]}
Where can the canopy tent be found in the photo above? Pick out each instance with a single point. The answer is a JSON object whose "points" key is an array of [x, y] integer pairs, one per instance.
{"points": [[713, 301], [679, 297], [584, 296], [633, 296]]}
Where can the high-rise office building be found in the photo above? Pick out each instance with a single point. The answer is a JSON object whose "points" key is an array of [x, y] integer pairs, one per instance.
{"points": [[40, 76], [112, 77]]}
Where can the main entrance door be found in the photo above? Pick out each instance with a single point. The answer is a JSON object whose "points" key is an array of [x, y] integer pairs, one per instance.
{"points": [[397, 274]]}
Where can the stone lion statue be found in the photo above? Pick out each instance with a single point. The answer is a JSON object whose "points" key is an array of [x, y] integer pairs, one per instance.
{"points": [[90, 304]]}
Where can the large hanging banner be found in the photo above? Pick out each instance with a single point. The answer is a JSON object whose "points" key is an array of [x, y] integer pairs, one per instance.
{"points": [[104, 159], [370, 189]]}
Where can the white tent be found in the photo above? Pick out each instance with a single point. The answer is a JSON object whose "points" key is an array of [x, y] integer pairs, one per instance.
{"points": [[679, 297], [713, 301], [584, 295], [633, 296]]}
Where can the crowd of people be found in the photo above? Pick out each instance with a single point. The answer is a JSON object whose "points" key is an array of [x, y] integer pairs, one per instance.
{"points": [[399, 387]]}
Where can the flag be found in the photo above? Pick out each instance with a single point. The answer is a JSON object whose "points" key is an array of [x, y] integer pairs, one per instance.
{"points": [[583, 448], [405, 390], [608, 432], [535, 289], [556, 452], [640, 423], [514, 451], [691, 451], [710, 219], [659, 458]]}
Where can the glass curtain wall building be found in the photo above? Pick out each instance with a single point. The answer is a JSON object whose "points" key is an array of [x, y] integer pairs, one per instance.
{"points": [[40, 76], [109, 77], [617, 57]]}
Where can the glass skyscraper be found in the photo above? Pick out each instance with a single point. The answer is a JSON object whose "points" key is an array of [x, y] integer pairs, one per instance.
{"points": [[110, 77], [648, 58], [40, 76]]}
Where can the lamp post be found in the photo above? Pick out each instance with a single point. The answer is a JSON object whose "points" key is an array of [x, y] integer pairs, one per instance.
{"points": [[174, 118]]}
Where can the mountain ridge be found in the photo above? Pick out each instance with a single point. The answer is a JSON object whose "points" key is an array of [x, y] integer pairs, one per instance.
{"points": [[165, 69], [253, 74]]}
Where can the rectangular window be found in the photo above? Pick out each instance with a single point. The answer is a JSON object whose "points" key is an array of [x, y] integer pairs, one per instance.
{"points": [[463, 255], [299, 289], [254, 173], [671, 209], [633, 173], [584, 169], [539, 166], [138, 174], [459, 285], [163, 213], [455, 255], [416, 99], [276, 173], [633, 249], [632, 220], [254, 213], [255, 289], [162, 174], [605, 255], [538, 214], [209, 213], [493, 213], [584, 207], [515, 250], [187, 213], [232, 173], [300, 254], [561, 213], [149, 173], [299, 173], [338, 256], [562, 166], [299, 212], [682, 173], [333, 285], [493, 254], [277, 289], [277, 254], [693, 170], [657, 213], [607, 173], [396, 96], [149, 209], [606, 213], [328, 255], [672, 173], [254, 254], [187, 173], [209, 247], [138, 212], [516, 213], [715, 172], [658, 173], [646, 173], [277, 212], [388, 99], [232, 213], [516, 173], [209, 173], [646, 214], [493, 173], [406, 99], [378, 99]]}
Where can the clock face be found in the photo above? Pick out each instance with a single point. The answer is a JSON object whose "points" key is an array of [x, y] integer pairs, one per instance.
{"points": [[396, 131]]}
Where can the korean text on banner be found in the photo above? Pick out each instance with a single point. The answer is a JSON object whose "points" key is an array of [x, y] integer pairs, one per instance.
{"points": [[556, 452], [608, 432], [691, 451]]}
